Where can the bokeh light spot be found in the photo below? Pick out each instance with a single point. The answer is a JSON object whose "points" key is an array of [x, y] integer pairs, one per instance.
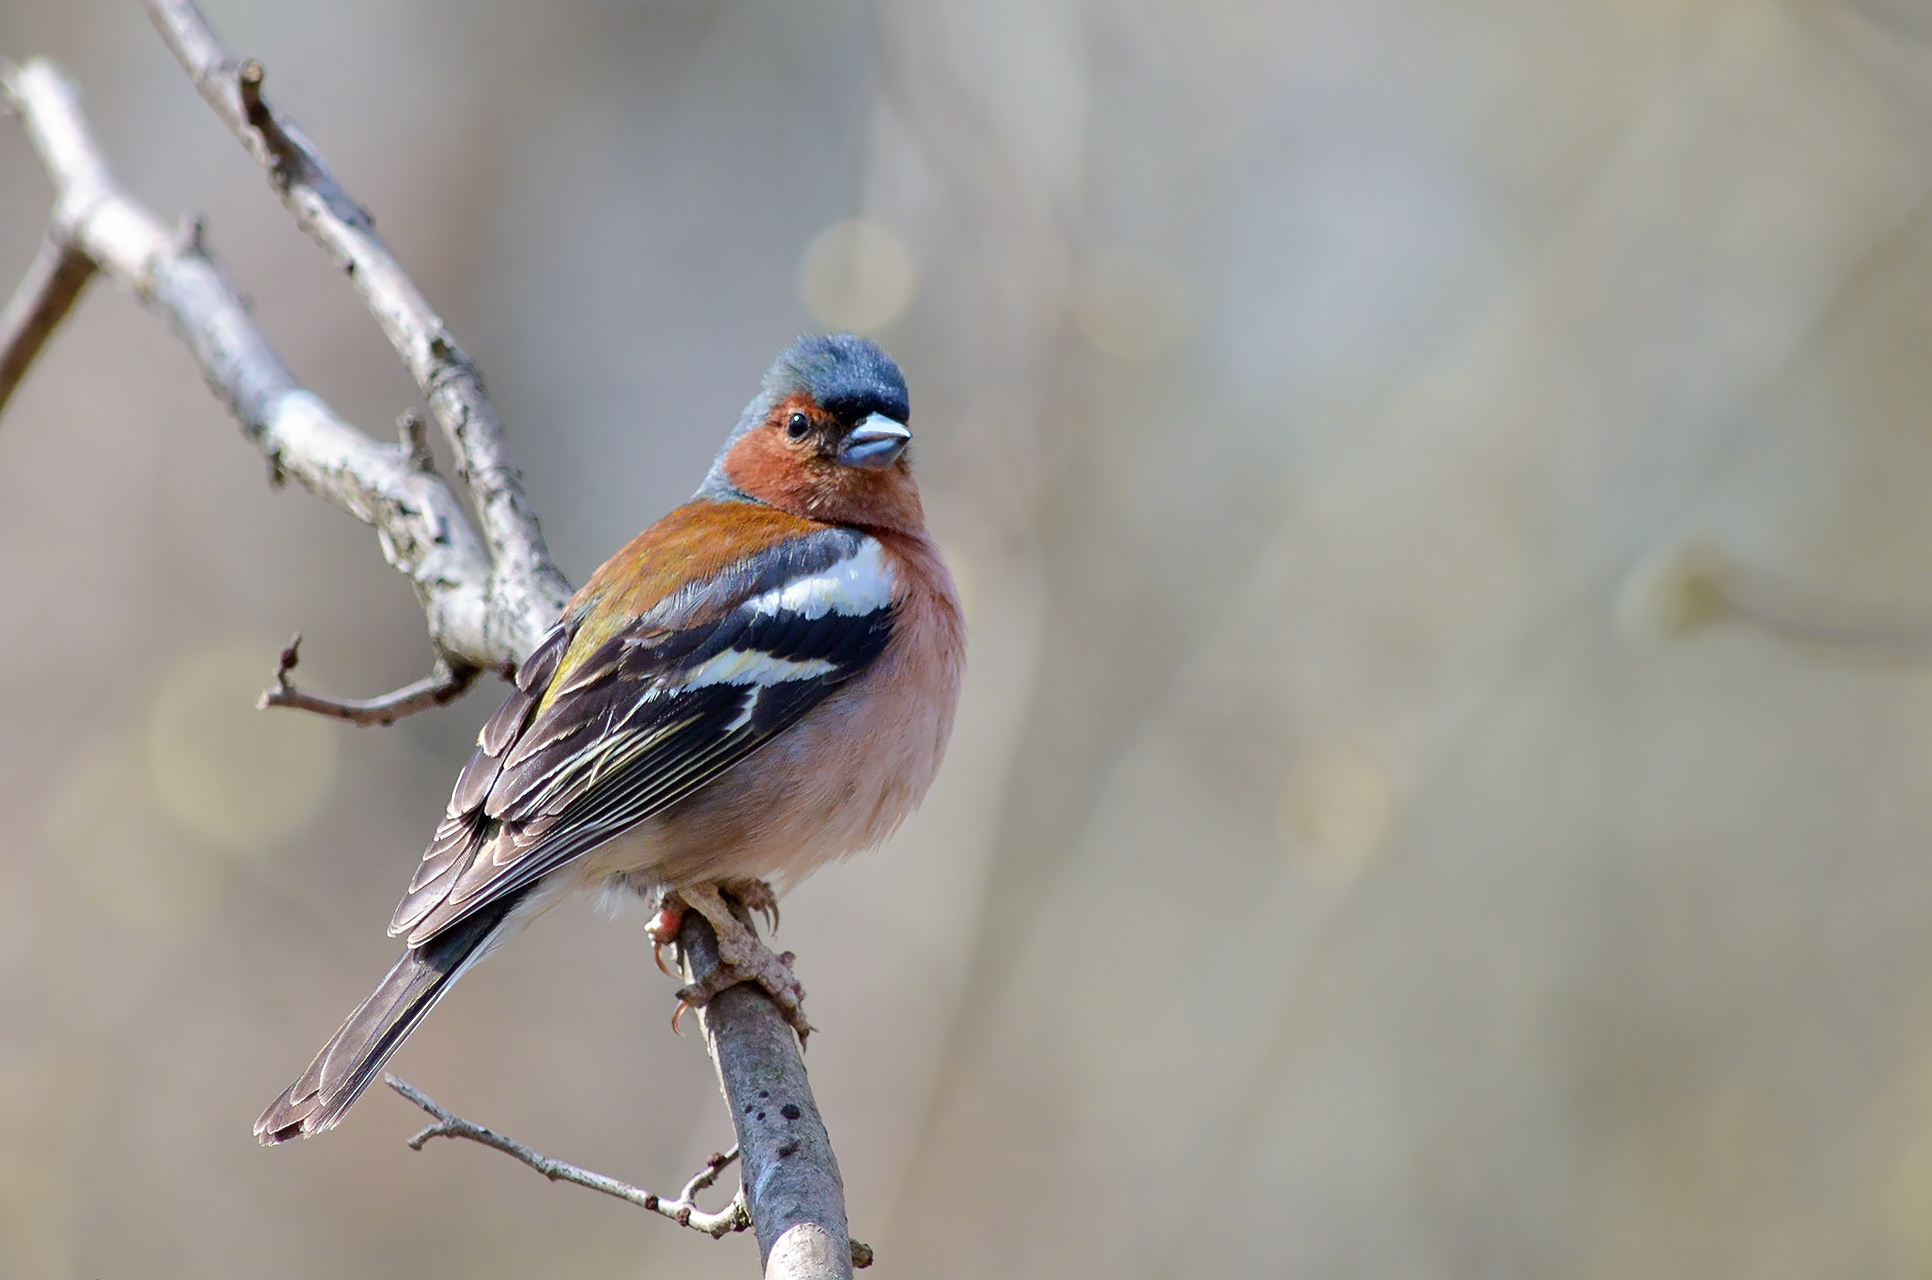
{"points": [[229, 774], [856, 275], [1337, 811], [1131, 305]]}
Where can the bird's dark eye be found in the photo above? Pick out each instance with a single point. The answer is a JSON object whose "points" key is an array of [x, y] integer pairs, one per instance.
{"points": [[797, 425]]}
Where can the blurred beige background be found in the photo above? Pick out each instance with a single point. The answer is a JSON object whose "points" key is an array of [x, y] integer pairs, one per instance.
{"points": [[1381, 837]]}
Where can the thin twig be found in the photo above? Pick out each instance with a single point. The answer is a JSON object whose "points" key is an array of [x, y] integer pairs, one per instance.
{"points": [[53, 282], [443, 685], [682, 1210], [526, 591]]}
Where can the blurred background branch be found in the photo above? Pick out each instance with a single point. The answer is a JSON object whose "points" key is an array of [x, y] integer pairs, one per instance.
{"points": [[52, 285], [1693, 583]]}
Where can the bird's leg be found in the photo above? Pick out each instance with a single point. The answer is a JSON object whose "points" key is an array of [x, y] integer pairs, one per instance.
{"points": [[667, 914], [743, 958], [666, 920]]}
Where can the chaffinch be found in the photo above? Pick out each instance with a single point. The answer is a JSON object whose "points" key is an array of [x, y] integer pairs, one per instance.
{"points": [[762, 681]]}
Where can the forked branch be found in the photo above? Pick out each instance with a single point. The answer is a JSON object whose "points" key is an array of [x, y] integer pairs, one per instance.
{"points": [[525, 591], [424, 531]]}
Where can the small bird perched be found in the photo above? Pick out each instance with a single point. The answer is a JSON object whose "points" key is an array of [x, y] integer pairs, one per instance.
{"points": [[762, 681]]}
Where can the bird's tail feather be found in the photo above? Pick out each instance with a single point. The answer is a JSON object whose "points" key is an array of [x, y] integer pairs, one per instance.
{"points": [[350, 1062]]}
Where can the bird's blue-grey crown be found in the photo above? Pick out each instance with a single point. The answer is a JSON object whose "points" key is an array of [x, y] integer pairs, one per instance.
{"points": [[850, 377]]}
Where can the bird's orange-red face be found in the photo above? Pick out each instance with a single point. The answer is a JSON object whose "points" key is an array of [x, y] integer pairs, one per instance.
{"points": [[810, 462]]}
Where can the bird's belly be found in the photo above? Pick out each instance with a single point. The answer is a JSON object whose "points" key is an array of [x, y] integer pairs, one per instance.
{"points": [[840, 780]]}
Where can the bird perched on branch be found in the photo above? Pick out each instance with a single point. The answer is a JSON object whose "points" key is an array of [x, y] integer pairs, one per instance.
{"points": [[762, 681]]}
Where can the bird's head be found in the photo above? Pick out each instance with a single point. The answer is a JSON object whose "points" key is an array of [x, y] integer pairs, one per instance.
{"points": [[826, 438]]}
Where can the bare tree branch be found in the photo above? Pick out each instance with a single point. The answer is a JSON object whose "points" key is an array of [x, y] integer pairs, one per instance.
{"points": [[791, 1176], [525, 592], [791, 1188], [52, 284], [424, 531], [682, 1210], [486, 598], [439, 688]]}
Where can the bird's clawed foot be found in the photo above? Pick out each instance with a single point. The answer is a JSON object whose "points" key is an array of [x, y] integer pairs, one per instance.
{"points": [[757, 896], [742, 957], [772, 973]]}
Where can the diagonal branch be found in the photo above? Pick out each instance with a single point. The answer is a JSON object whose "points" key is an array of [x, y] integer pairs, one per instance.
{"points": [[526, 592], [52, 285]]}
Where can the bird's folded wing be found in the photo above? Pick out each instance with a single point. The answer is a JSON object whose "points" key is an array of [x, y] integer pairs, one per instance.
{"points": [[599, 735]]}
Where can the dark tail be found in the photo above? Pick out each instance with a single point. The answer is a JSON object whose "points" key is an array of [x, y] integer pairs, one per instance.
{"points": [[349, 1063]]}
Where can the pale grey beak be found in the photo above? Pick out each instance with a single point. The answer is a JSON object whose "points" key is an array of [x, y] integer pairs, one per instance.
{"points": [[876, 442]]}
